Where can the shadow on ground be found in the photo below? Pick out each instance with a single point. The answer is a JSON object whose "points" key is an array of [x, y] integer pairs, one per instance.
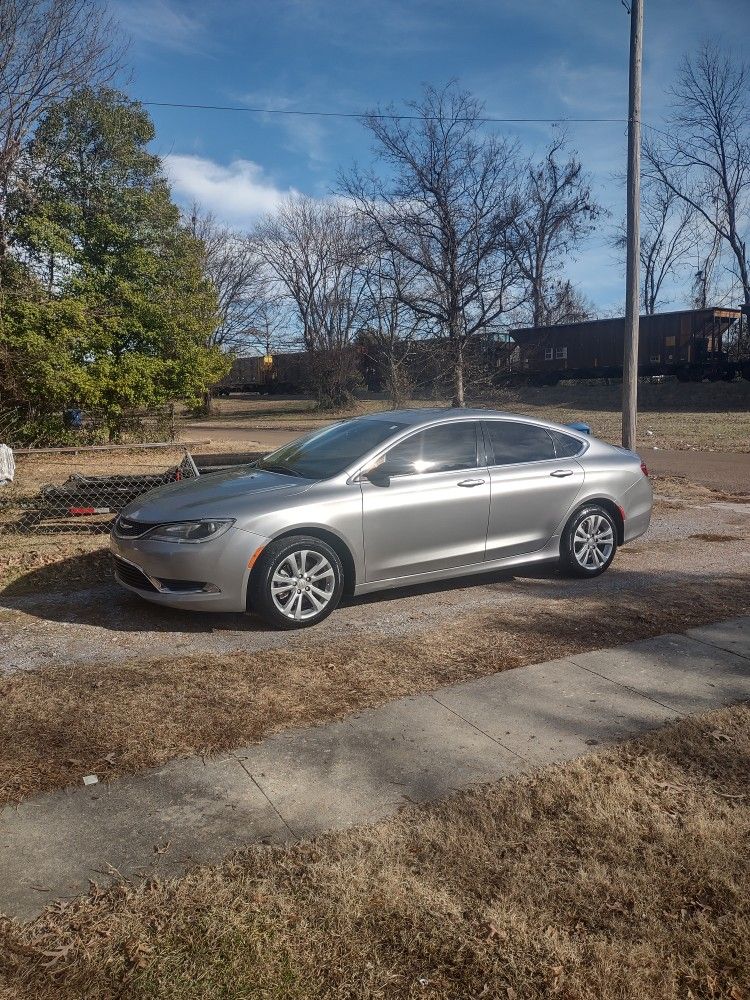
{"points": [[82, 590]]}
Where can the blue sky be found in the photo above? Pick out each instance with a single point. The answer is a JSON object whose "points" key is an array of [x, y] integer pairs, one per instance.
{"points": [[523, 58]]}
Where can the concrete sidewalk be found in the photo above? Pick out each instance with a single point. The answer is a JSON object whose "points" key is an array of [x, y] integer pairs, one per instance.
{"points": [[299, 783]]}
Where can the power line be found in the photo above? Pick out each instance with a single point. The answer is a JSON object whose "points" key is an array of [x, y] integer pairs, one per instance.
{"points": [[382, 115]]}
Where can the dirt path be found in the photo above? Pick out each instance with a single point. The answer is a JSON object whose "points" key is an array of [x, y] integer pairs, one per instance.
{"points": [[727, 471]]}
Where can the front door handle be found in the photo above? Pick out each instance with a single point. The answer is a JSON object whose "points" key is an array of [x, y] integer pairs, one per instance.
{"points": [[561, 473], [471, 482]]}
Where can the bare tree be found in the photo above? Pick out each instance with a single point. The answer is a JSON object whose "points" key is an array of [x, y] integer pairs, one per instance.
{"points": [[668, 235], [244, 291], [566, 304], [391, 327], [559, 211], [48, 50], [705, 157], [315, 250], [446, 207], [705, 284]]}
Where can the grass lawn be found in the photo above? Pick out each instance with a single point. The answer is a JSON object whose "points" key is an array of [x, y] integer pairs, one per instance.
{"points": [[622, 876]]}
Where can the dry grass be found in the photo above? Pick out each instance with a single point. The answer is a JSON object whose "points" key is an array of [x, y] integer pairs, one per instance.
{"points": [[29, 563], [622, 876], [712, 417], [677, 492], [63, 721]]}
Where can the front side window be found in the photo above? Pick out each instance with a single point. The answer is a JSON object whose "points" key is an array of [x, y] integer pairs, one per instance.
{"points": [[328, 452], [561, 353], [446, 448], [511, 442], [548, 353]]}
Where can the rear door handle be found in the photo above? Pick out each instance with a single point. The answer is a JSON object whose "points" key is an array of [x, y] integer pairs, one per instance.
{"points": [[561, 473], [471, 482]]}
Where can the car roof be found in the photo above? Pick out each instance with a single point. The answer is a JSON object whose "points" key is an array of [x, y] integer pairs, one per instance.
{"points": [[431, 415]]}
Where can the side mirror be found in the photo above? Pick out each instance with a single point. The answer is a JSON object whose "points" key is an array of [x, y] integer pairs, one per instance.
{"points": [[379, 476]]}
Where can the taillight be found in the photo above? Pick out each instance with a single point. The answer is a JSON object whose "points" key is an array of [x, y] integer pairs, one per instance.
{"points": [[644, 468]]}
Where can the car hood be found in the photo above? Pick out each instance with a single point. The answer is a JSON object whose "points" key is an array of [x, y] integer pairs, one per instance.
{"points": [[233, 493]]}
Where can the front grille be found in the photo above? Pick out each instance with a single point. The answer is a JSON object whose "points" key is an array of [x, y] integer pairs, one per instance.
{"points": [[133, 577], [125, 527]]}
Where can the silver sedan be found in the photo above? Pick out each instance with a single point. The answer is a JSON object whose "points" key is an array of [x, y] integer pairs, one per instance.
{"points": [[386, 500]]}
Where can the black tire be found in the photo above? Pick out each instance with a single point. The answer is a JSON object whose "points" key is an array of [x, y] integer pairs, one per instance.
{"points": [[570, 564], [275, 559]]}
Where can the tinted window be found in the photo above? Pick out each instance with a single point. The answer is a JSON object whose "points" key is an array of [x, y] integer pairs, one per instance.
{"points": [[511, 442], [327, 452], [566, 446], [439, 449]]}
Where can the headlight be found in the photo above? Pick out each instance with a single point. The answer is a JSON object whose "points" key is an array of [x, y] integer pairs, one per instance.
{"points": [[189, 531]]}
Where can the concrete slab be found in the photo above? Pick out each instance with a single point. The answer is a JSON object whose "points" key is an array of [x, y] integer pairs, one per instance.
{"points": [[675, 671], [160, 822], [733, 635], [553, 711], [365, 767]]}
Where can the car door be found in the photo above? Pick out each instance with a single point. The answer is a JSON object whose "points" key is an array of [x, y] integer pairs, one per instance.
{"points": [[533, 485], [432, 514]]}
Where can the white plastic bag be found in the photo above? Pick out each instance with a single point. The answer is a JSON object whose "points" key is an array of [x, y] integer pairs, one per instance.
{"points": [[7, 465]]}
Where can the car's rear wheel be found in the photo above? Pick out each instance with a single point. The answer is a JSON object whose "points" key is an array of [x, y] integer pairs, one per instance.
{"points": [[296, 582], [589, 542]]}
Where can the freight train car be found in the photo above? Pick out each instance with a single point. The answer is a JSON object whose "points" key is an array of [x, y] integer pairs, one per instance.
{"points": [[267, 374], [692, 344]]}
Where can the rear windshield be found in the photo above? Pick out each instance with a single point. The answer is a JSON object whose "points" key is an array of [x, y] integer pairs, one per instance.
{"points": [[328, 452]]}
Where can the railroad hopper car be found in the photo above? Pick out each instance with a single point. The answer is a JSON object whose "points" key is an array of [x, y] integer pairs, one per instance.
{"points": [[692, 344]]}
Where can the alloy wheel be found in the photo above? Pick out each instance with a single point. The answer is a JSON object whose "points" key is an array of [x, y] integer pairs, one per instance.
{"points": [[303, 584], [593, 542]]}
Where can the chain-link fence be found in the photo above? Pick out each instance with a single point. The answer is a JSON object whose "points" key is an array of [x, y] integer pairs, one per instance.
{"points": [[83, 492]]}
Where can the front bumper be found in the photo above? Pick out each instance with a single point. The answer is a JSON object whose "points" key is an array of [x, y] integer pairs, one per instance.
{"points": [[221, 566]]}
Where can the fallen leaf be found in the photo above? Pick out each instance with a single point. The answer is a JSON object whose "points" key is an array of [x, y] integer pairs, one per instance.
{"points": [[56, 955], [493, 932]]}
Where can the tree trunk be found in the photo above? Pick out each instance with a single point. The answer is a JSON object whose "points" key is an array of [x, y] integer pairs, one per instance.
{"points": [[397, 384], [458, 382], [536, 303]]}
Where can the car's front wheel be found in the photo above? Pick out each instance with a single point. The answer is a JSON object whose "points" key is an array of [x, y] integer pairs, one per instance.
{"points": [[589, 542], [296, 582]]}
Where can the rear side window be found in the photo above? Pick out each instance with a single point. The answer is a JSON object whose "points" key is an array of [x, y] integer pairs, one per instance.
{"points": [[565, 445], [446, 448], [511, 442]]}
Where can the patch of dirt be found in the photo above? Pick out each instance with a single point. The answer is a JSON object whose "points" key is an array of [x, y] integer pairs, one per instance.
{"points": [[621, 876], [706, 536]]}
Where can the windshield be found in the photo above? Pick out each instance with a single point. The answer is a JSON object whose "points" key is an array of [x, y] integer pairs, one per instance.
{"points": [[328, 452]]}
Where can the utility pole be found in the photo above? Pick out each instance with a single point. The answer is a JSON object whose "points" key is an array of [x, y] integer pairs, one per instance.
{"points": [[632, 266]]}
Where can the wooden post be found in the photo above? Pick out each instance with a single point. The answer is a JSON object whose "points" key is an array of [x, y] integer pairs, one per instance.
{"points": [[632, 266]]}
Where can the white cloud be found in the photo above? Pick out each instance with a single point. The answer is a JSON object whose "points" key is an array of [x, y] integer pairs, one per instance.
{"points": [[305, 135], [236, 193], [162, 23]]}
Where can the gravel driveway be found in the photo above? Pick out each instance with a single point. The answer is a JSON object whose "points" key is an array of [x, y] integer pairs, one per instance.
{"points": [[104, 624]]}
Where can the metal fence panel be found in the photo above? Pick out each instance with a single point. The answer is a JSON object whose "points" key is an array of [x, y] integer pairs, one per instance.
{"points": [[85, 500]]}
